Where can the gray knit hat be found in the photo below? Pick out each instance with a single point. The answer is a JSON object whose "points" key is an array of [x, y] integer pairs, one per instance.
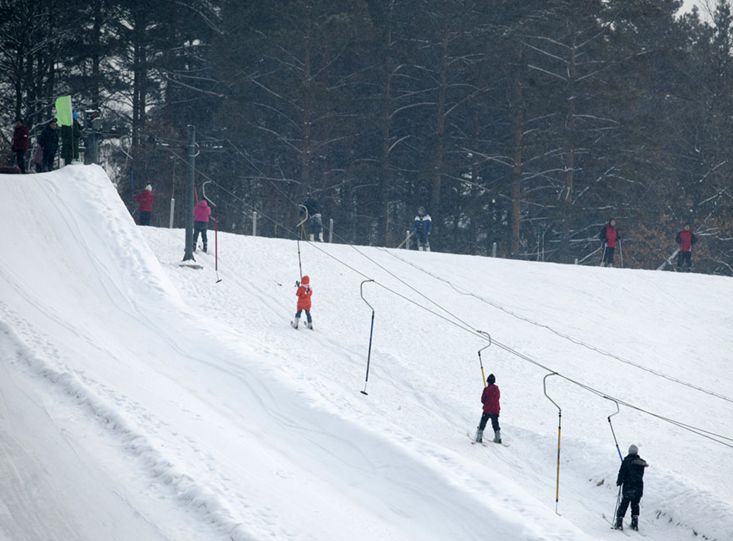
{"points": [[633, 449]]}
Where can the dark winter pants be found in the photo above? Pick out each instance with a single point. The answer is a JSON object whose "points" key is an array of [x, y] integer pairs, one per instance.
{"points": [[494, 422], [48, 159], [20, 160], [423, 242], [608, 255], [634, 499], [145, 217], [200, 227], [307, 315], [684, 259], [315, 225]]}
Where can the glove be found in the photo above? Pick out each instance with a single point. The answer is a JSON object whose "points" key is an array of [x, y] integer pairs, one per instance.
{"points": [[297, 283]]}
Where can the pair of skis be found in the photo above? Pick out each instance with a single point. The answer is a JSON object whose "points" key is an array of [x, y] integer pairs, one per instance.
{"points": [[308, 325], [483, 443]]}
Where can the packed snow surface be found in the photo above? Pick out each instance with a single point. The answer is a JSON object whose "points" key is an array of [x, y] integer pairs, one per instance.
{"points": [[145, 400]]}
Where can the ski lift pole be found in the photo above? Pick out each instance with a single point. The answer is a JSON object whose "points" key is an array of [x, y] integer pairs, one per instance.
{"points": [[203, 193], [610, 424], [618, 450], [371, 333], [621, 252], [480, 360], [298, 229], [559, 430]]}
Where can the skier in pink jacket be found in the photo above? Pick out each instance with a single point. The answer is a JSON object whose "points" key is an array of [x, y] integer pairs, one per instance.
{"points": [[201, 215]]}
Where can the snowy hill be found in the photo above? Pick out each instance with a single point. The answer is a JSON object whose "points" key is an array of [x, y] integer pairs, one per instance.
{"points": [[143, 400]]}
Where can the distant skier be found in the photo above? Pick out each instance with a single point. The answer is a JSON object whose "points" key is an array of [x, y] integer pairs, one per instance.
{"points": [[201, 215], [631, 478], [144, 202], [610, 237], [421, 229], [315, 220], [304, 295], [21, 143], [490, 400], [685, 238]]}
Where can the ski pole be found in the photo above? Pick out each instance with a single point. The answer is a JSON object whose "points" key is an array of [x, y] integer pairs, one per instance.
{"points": [[621, 252], [371, 333], [216, 249], [559, 429]]}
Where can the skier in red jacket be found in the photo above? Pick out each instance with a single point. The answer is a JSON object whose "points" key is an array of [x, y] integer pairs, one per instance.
{"points": [[490, 400], [685, 239], [304, 295], [610, 237], [144, 202]]}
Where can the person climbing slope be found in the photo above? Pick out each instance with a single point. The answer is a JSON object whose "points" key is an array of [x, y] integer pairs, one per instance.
{"points": [[631, 479], [490, 399], [304, 295]]}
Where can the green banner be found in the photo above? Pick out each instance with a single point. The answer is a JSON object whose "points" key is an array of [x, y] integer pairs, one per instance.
{"points": [[63, 111]]}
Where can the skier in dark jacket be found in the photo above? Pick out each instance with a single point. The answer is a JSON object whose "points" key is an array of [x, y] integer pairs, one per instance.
{"points": [[421, 228], [490, 399], [631, 479], [21, 143], [685, 239], [49, 142], [315, 220], [610, 237]]}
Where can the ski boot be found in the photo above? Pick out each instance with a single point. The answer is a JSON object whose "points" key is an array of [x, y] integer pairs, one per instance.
{"points": [[204, 248], [295, 322], [309, 324], [619, 524], [497, 436], [479, 436], [635, 523]]}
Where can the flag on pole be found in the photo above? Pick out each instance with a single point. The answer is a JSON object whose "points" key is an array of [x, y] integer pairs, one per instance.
{"points": [[63, 111]]}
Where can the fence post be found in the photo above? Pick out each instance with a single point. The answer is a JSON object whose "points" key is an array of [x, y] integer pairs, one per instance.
{"points": [[407, 240], [254, 223], [493, 249], [576, 260], [173, 210], [330, 230]]}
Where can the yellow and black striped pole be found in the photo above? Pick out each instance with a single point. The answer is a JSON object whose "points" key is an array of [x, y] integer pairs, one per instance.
{"points": [[480, 360], [559, 432]]}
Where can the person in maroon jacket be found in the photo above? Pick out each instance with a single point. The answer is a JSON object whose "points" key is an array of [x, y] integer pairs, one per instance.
{"points": [[490, 400], [610, 237], [144, 202], [21, 143], [685, 239]]}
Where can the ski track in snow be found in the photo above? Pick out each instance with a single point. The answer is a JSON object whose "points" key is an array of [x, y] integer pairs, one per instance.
{"points": [[197, 402]]}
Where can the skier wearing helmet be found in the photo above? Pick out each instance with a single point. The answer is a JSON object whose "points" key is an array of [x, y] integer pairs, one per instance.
{"points": [[304, 295]]}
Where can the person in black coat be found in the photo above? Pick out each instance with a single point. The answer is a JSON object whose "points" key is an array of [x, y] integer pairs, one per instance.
{"points": [[631, 479], [49, 142], [315, 221]]}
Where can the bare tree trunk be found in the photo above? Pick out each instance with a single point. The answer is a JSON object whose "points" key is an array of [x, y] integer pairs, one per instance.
{"points": [[435, 197], [384, 170], [566, 204], [517, 170]]}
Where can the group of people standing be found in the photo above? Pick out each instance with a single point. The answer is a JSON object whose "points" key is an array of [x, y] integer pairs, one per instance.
{"points": [[47, 144], [201, 215], [611, 239]]}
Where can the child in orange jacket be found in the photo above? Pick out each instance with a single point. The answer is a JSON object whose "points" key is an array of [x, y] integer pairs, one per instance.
{"points": [[304, 295]]}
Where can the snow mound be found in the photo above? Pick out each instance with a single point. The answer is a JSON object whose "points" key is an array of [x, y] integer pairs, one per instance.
{"points": [[213, 419]]}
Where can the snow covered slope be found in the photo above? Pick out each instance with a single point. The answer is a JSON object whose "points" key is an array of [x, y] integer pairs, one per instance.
{"points": [[176, 407]]}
